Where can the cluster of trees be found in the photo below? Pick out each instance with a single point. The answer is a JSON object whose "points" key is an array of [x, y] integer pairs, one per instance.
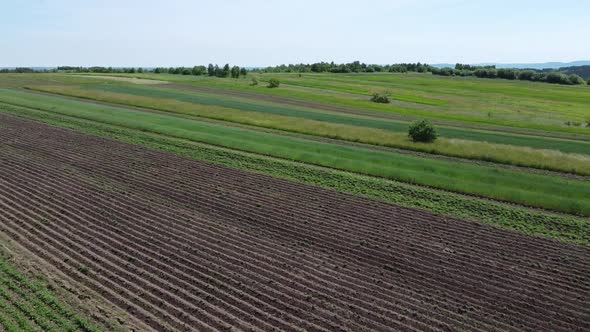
{"points": [[567, 75], [211, 70], [98, 69], [555, 77], [352, 67], [460, 70], [582, 71], [20, 70]]}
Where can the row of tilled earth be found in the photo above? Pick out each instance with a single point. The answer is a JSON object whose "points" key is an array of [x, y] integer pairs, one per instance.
{"points": [[184, 245]]}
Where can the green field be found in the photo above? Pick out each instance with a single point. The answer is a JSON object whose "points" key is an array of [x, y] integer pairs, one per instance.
{"points": [[518, 105], [28, 305], [318, 120], [514, 149]]}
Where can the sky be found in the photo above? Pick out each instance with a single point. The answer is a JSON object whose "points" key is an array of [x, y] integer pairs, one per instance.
{"points": [[152, 33]]}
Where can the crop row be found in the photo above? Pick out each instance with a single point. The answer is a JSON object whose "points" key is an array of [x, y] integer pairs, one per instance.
{"points": [[29, 306]]}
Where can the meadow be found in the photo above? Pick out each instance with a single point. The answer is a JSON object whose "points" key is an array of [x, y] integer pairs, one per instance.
{"points": [[514, 149]]}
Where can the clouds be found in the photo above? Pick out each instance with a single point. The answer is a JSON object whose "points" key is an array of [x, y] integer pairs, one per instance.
{"points": [[263, 32]]}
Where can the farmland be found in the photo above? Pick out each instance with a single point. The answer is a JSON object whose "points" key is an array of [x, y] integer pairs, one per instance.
{"points": [[200, 203]]}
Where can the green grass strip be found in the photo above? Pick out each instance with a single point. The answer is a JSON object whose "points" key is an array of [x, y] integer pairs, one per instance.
{"points": [[555, 193], [533, 222], [568, 146]]}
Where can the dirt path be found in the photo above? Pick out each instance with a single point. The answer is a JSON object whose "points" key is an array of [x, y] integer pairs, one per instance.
{"points": [[183, 245]]}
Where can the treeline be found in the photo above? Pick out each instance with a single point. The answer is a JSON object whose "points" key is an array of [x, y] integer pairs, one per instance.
{"points": [[459, 70], [211, 70], [353, 67], [583, 71], [563, 76], [547, 76], [24, 70]]}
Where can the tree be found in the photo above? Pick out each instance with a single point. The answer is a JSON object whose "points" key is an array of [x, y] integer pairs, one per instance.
{"points": [[273, 83], [197, 70], [243, 72], [225, 71], [575, 79], [422, 131], [235, 72], [380, 98], [526, 75], [210, 70], [557, 77]]}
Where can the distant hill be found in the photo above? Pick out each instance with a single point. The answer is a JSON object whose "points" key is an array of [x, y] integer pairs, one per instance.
{"points": [[539, 66]]}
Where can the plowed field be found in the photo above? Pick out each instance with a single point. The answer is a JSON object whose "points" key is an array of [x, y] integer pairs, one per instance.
{"points": [[185, 245]]}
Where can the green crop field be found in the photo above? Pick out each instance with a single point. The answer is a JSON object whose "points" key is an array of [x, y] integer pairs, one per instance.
{"points": [[27, 305], [556, 154]]}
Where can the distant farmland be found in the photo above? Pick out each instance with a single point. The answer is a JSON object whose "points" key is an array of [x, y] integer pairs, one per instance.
{"points": [[179, 202]]}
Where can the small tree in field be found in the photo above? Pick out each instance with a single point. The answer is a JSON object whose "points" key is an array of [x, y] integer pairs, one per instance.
{"points": [[235, 72], [422, 131], [273, 83], [382, 98], [254, 81]]}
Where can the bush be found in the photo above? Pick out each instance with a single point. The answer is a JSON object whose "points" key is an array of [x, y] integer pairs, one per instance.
{"points": [[254, 81], [526, 75], [507, 73], [575, 79], [422, 131], [273, 83], [380, 98], [558, 78]]}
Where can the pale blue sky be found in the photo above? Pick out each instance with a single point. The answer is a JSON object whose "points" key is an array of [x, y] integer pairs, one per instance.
{"points": [[267, 32]]}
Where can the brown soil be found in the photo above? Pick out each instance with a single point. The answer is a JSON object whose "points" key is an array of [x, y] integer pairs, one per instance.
{"points": [[184, 245]]}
